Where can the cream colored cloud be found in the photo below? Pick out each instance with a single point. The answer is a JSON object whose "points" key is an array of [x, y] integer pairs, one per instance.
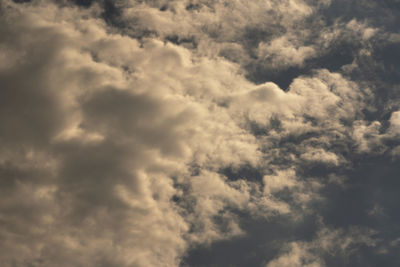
{"points": [[122, 120], [285, 179], [259, 104], [371, 139], [394, 120], [212, 196], [335, 242], [366, 136], [281, 52], [301, 190], [297, 256], [219, 28], [328, 95], [117, 140], [320, 155], [361, 28]]}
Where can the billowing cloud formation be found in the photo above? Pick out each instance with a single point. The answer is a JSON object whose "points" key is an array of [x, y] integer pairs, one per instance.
{"points": [[134, 133]]}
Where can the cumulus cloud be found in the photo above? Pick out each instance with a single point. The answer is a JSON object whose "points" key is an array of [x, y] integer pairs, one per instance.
{"points": [[134, 133]]}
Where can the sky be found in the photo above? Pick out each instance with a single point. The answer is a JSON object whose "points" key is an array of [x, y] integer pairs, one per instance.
{"points": [[146, 133]]}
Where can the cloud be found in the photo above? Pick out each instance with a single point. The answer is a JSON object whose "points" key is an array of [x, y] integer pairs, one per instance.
{"points": [[134, 132], [296, 256], [62, 100], [284, 179], [371, 138], [367, 136], [122, 129], [394, 120], [319, 155], [334, 242], [283, 53]]}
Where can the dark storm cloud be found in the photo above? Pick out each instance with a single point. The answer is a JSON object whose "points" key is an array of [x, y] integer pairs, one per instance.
{"points": [[199, 133]]}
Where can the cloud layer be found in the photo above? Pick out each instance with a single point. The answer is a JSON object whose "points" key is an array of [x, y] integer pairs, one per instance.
{"points": [[193, 133]]}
